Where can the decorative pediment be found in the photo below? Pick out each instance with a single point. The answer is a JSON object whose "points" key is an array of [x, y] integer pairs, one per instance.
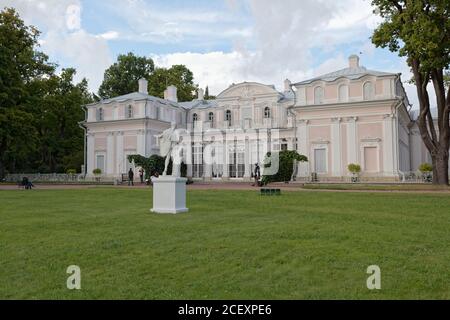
{"points": [[247, 90]]}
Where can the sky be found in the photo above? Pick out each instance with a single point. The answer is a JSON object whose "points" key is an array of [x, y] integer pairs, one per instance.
{"points": [[221, 41]]}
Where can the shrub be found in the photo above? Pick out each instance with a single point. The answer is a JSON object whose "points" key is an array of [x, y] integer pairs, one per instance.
{"points": [[71, 171], [286, 166], [354, 168], [425, 168], [155, 164], [97, 171]]}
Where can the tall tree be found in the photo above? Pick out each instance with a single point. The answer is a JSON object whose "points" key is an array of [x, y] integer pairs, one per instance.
{"points": [[420, 31], [21, 65], [122, 77], [177, 75]]}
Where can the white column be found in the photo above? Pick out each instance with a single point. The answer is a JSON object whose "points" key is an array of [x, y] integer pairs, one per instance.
{"points": [[119, 153], [336, 167], [189, 159], [226, 174], [248, 167], [303, 148], [140, 143], [110, 159], [352, 144], [90, 165], [207, 163], [388, 145]]}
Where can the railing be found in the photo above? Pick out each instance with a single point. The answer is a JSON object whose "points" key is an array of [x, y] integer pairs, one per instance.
{"points": [[403, 177], [55, 178]]}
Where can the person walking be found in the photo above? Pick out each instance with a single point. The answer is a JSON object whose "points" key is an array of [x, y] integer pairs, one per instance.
{"points": [[131, 177], [141, 175], [257, 175]]}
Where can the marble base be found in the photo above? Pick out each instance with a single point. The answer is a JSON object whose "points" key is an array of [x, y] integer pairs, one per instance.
{"points": [[169, 195]]}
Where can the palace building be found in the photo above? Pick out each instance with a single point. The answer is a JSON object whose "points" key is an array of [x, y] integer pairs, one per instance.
{"points": [[354, 115]]}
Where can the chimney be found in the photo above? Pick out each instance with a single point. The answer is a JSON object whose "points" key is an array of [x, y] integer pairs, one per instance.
{"points": [[143, 86], [287, 85], [353, 61], [172, 93], [201, 95]]}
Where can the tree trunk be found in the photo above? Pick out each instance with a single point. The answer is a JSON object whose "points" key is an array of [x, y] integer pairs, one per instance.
{"points": [[440, 168]]}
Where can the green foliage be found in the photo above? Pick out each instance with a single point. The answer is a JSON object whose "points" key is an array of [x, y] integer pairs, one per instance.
{"points": [[97, 171], [426, 168], [354, 168], [39, 110], [122, 77], [286, 159], [420, 31], [177, 75], [154, 164], [71, 171]]}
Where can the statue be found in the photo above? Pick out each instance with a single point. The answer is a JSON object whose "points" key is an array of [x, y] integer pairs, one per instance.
{"points": [[169, 147]]}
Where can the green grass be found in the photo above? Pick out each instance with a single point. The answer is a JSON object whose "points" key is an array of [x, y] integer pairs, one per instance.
{"points": [[232, 245]]}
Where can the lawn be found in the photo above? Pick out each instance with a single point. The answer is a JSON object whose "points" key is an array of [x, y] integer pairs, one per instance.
{"points": [[232, 245]]}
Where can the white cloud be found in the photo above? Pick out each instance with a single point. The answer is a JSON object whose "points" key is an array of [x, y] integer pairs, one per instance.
{"points": [[63, 37]]}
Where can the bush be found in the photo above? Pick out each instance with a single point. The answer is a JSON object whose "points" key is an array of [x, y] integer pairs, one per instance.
{"points": [[426, 168], [155, 164], [97, 171], [71, 171], [354, 168], [286, 166]]}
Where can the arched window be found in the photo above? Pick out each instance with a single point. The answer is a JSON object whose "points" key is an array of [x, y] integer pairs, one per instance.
{"points": [[318, 95], [129, 113], [100, 114], [368, 91], [228, 116], [343, 93], [267, 113], [194, 117]]}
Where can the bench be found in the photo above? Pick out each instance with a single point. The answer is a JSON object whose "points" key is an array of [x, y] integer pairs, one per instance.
{"points": [[270, 192]]}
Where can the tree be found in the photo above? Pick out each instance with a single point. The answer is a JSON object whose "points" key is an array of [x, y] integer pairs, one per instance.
{"points": [[122, 77], [207, 96], [287, 160], [178, 76], [21, 66], [420, 31]]}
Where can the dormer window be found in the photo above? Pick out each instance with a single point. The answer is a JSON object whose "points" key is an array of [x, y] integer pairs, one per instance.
{"points": [[368, 91], [319, 95], [100, 114], [267, 114], [129, 112]]}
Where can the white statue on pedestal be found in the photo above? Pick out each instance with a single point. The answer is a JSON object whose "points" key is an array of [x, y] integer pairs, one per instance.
{"points": [[169, 192], [169, 145]]}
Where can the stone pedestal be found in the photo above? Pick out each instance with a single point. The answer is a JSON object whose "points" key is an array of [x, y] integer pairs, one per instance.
{"points": [[169, 195]]}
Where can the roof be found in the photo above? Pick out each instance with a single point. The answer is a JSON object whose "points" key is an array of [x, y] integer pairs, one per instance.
{"points": [[348, 73], [199, 104], [137, 96]]}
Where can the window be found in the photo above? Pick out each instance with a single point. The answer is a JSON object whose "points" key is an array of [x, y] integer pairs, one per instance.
{"points": [[368, 91], [343, 93], [197, 161], [228, 116], [100, 162], [320, 160], [129, 113], [318, 95], [211, 118], [194, 117], [267, 113], [100, 114]]}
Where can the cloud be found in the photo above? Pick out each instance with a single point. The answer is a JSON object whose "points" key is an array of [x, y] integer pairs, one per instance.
{"points": [[63, 37]]}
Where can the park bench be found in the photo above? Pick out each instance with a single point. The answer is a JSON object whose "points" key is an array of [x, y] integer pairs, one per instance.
{"points": [[270, 192]]}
